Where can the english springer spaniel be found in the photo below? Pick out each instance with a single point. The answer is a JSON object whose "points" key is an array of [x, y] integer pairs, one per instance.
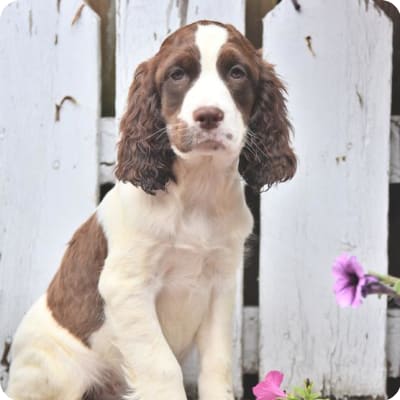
{"points": [[152, 272]]}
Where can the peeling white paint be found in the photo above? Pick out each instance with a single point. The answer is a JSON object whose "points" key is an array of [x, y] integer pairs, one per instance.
{"points": [[48, 168], [339, 102]]}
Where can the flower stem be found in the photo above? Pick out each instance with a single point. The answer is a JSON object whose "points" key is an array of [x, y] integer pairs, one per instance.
{"points": [[386, 279], [379, 288]]}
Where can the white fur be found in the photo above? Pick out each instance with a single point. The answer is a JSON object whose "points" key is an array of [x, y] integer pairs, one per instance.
{"points": [[48, 361], [168, 281], [171, 284]]}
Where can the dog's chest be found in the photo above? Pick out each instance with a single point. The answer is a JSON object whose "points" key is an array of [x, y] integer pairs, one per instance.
{"points": [[190, 257], [191, 267]]}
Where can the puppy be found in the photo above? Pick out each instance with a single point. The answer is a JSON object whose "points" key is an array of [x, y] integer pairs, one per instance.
{"points": [[152, 272]]}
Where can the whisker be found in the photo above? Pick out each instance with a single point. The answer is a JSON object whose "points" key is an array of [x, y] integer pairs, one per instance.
{"points": [[250, 144], [253, 145], [258, 151], [251, 132], [157, 132], [250, 149], [164, 129]]}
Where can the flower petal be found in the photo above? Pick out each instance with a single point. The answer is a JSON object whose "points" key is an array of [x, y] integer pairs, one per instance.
{"points": [[269, 387], [347, 265], [339, 265], [356, 267], [350, 280], [341, 284], [345, 297], [276, 377], [265, 392]]}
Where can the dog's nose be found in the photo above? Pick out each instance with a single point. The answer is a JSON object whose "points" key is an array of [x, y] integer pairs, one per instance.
{"points": [[208, 117]]}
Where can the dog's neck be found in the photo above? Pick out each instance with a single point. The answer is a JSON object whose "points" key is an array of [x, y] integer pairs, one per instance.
{"points": [[202, 183], [205, 178]]}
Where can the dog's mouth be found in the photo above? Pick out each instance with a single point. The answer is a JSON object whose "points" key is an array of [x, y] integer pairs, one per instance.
{"points": [[211, 140], [187, 139], [209, 145]]}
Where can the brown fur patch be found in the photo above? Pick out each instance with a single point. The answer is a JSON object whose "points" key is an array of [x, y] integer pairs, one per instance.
{"points": [[145, 157], [73, 295]]}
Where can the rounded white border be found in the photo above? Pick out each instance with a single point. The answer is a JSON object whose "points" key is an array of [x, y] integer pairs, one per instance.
{"points": [[396, 396], [3, 396]]}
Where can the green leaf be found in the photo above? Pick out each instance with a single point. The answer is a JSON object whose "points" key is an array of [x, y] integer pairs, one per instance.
{"points": [[396, 287], [299, 391], [304, 393]]}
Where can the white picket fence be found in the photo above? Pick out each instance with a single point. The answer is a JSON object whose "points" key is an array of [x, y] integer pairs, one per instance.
{"points": [[55, 150]]}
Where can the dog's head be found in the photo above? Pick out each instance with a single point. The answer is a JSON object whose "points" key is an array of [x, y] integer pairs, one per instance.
{"points": [[206, 92]]}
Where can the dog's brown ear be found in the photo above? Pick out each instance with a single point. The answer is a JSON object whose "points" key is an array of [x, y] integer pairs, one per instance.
{"points": [[144, 156], [267, 156]]}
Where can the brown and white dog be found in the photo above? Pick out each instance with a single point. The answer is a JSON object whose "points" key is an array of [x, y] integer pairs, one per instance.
{"points": [[152, 272]]}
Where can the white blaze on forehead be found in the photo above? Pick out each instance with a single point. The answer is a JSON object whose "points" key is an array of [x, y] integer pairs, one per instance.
{"points": [[209, 39]]}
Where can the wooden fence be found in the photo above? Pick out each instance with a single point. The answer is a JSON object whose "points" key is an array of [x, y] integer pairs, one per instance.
{"points": [[56, 150], [340, 90]]}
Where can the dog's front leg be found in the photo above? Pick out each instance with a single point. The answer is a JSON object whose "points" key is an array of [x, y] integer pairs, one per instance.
{"points": [[150, 368], [214, 341]]}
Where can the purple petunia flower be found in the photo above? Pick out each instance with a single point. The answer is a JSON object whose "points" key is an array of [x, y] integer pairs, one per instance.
{"points": [[351, 281]]}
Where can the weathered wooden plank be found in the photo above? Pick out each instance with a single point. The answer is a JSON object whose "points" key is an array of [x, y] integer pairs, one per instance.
{"points": [[393, 343], [49, 109], [237, 359], [141, 27], [335, 56], [107, 151], [226, 11], [106, 11], [250, 339], [395, 150]]}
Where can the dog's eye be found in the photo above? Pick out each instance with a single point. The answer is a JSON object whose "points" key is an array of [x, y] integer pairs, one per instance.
{"points": [[177, 74], [237, 72]]}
